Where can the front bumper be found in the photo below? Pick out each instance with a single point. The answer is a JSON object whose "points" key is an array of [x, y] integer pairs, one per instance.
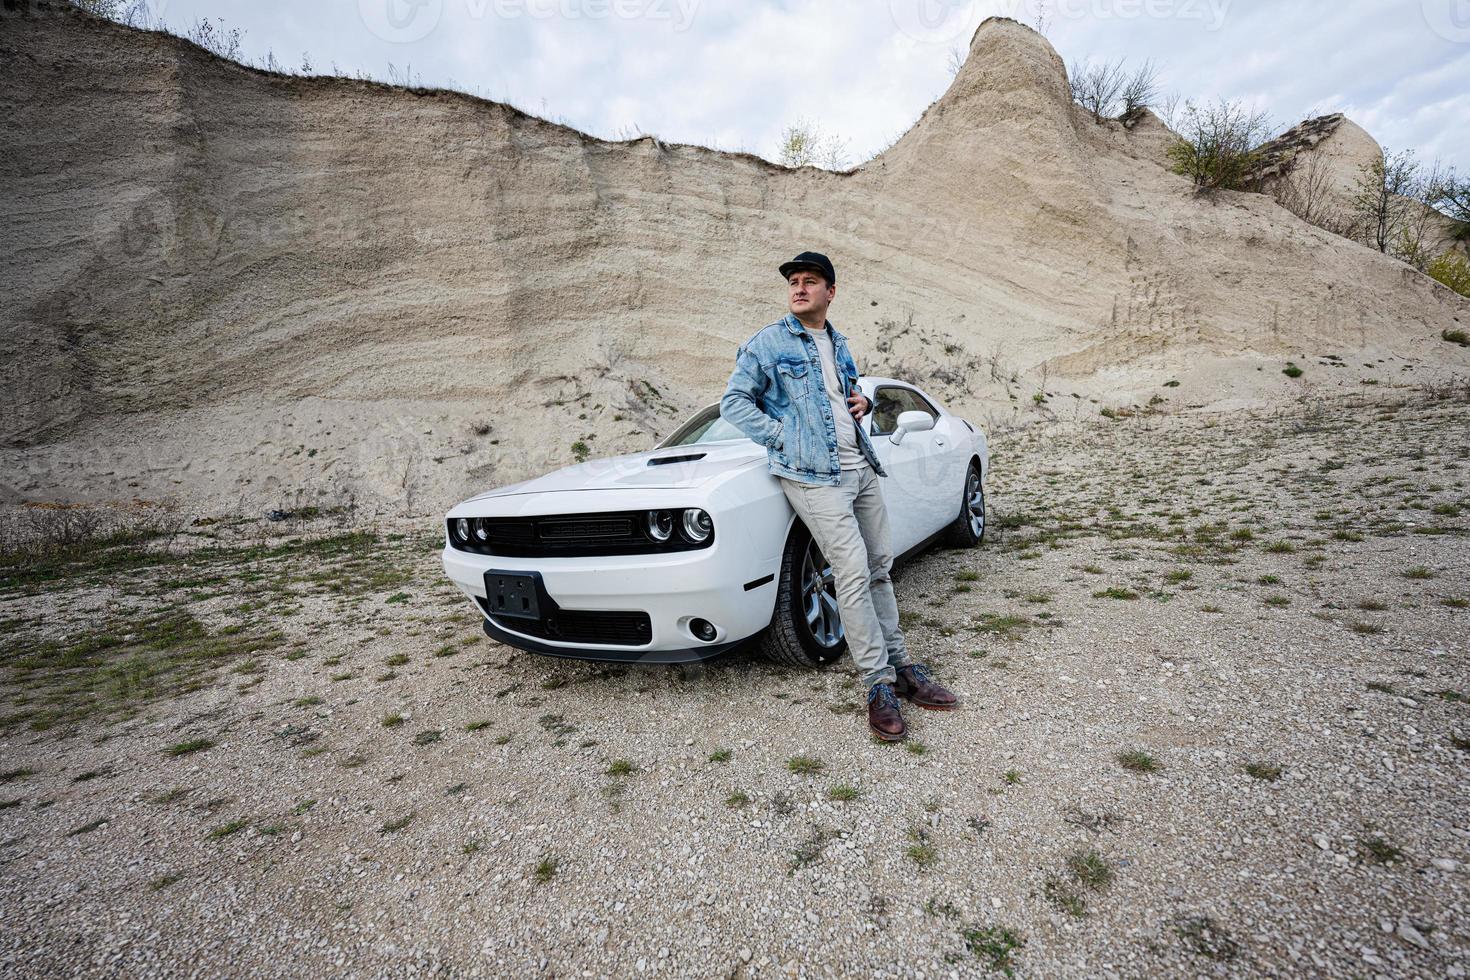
{"points": [[640, 655], [727, 585]]}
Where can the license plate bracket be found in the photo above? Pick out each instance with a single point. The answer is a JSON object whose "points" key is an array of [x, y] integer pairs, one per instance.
{"points": [[514, 594]]}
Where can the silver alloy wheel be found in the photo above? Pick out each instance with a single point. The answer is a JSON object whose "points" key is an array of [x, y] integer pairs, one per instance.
{"points": [[819, 597], [975, 504]]}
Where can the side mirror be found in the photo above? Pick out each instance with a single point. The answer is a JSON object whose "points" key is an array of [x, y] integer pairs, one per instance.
{"points": [[913, 421]]}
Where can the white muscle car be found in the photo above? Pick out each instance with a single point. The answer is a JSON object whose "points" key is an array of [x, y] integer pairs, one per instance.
{"points": [[684, 552]]}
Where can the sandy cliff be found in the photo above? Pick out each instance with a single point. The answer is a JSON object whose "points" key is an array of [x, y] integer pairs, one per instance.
{"points": [[241, 290]]}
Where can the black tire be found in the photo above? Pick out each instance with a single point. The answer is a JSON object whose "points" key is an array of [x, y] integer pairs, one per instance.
{"points": [[968, 528], [791, 639]]}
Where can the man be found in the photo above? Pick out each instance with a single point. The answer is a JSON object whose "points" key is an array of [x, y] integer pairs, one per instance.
{"points": [[794, 391]]}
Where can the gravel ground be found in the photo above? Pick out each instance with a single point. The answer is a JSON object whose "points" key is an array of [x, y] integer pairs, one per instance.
{"points": [[1263, 614]]}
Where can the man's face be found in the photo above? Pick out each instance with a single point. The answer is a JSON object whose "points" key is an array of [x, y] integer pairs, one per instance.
{"points": [[809, 294]]}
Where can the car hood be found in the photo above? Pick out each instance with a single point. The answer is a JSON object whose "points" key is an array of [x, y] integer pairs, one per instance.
{"points": [[688, 466]]}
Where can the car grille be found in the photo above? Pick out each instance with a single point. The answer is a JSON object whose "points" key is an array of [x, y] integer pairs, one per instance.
{"points": [[610, 627], [568, 535]]}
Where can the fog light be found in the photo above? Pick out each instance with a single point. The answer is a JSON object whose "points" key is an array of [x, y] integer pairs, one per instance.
{"points": [[703, 629]]}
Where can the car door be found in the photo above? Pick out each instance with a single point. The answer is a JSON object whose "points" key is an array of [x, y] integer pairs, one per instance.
{"points": [[952, 440], [915, 467]]}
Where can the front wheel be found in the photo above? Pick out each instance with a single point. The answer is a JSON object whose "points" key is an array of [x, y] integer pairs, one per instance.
{"points": [[806, 627], [968, 528]]}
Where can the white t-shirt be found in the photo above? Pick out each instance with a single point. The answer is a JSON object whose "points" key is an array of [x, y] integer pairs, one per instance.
{"points": [[849, 457]]}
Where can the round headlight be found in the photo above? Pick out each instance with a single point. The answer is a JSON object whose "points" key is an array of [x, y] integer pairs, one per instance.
{"points": [[462, 529], [660, 525], [697, 525], [482, 530]]}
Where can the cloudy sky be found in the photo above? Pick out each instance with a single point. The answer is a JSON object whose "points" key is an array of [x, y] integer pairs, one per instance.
{"points": [[733, 73]]}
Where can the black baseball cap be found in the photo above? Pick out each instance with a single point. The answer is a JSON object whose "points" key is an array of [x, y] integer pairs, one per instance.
{"points": [[815, 261]]}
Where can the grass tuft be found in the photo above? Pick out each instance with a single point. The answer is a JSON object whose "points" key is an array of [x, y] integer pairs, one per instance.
{"points": [[1265, 771], [188, 747], [228, 829], [397, 823], [994, 946], [1138, 760]]}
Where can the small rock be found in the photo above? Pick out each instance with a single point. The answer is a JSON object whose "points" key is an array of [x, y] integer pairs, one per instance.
{"points": [[1445, 864], [1409, 934]]}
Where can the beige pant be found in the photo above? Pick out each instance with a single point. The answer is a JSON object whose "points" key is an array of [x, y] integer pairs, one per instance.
{"points": [[850, 524]]}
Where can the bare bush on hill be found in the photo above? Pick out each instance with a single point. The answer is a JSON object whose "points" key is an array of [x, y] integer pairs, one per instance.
{"points": [[1450, 196], [214, 37], [1307, 192], [134, 13], [1095, 87], [1397, 203], [1109, 91], [1382, 197], [804, 144], [42, 533], [1139, 92]]}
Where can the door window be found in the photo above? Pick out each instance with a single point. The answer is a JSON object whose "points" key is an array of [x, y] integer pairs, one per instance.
{"points": [[890, 402]]}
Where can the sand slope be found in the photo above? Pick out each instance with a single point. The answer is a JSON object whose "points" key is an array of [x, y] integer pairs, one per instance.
{"points": [[240, 290]]}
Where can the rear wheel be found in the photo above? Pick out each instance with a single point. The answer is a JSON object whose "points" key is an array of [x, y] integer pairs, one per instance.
{"points": [[968, 528], [806, 628]]}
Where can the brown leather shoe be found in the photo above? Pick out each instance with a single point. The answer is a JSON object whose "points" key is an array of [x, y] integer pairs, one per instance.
{"points": [[885, 720], [915, 684]]}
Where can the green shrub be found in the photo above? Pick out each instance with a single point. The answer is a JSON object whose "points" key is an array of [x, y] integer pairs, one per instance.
{"points": [[1452, 270], [1291, 370], [1216, 148]]}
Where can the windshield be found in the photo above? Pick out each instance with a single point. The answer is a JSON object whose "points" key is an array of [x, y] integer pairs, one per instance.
{"points": [[705, 425]]}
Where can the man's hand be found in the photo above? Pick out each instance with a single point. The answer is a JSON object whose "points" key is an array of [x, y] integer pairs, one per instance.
{"points": [[859, 405]]}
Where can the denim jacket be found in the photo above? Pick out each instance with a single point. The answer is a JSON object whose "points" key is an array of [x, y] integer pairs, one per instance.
{"points": [[777, 398]]}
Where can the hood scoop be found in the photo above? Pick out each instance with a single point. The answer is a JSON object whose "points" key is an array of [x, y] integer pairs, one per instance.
{"points": [[661, 460]]}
